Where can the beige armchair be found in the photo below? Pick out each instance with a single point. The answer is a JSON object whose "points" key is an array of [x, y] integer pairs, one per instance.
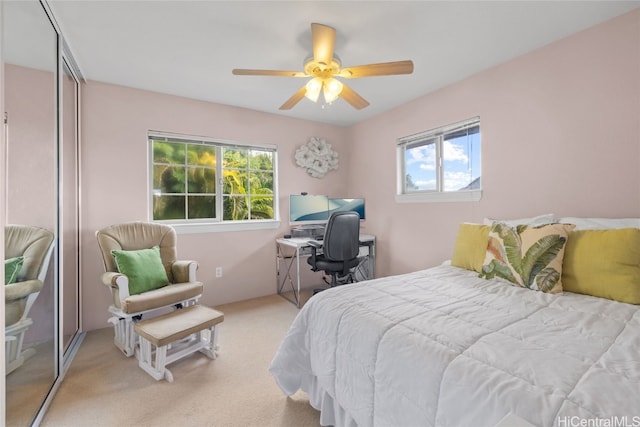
{"points": [[35, 245], [128, 307]]}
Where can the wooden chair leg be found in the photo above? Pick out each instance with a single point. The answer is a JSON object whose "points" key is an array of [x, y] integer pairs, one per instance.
{"points": [[154, 366], [125, 337], [209, 342]]}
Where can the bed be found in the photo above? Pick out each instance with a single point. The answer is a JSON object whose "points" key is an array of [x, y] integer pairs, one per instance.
{"points": [[445, 347]]}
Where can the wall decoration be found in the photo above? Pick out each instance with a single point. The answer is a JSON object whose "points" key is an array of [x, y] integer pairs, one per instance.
{"points": [[317, 157]]}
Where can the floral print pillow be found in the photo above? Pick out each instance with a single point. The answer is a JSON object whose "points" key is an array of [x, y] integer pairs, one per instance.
{"points": [[528, 256]]}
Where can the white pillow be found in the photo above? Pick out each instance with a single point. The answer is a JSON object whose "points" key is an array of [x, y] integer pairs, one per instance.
{"points": [[533, 221], [601, 223]]}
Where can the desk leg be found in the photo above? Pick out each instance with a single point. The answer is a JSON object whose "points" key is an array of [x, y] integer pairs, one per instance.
{"points": [[366, 269], [298, 277], [282, 279], [372, 260]]}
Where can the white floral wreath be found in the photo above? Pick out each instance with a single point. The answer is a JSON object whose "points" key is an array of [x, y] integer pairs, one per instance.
{"points": [[317, 157]]}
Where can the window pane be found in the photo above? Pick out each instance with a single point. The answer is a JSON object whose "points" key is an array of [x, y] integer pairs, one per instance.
{"points": [[235, 208], [168, 152], [201, 207], [261, 160], [168, 207], [168, 179], [235, 158], [262, 207], [235, 181], [461, 160], [420, 166], [202, 155], [201, 180], [261, 183]]}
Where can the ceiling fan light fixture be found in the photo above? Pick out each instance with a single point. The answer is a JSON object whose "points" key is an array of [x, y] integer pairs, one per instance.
{"points": [[314, 86], [332, 89], [323, 65]]}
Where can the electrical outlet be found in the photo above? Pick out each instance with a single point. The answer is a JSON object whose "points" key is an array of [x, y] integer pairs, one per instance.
{"points": [[218, 271]]}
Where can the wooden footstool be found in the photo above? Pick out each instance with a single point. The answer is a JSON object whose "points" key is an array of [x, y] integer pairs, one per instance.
{"points": [[176, 335]]}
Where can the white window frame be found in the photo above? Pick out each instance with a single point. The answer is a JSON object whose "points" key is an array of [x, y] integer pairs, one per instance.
{"points": [[193, 226], [438, 195]]}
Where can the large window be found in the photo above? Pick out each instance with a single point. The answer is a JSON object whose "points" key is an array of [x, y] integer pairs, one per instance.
{"points": [[197, 180], [441, 164]]}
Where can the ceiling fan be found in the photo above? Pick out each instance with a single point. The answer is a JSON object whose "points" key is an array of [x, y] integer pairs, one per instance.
{"points": [[323, 68]]}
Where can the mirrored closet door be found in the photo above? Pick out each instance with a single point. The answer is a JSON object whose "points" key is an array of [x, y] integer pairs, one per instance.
{"points": [[30, 96], [41, 99]]}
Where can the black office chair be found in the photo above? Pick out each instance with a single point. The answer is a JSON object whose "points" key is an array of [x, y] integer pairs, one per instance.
{"points": [[341, 246]]}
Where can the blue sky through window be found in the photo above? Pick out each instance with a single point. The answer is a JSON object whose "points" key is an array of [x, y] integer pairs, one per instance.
{"points": [[461, 162]]}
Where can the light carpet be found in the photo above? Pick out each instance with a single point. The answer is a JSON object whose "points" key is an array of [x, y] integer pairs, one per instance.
{"points": [[105, 388]]}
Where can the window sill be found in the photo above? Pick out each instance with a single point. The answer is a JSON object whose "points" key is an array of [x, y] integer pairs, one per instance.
{"points": [[451, 196], [216, 227]]}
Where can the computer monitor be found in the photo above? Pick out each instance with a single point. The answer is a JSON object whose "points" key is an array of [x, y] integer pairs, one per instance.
{"points": [[307, 209], [338, 205]]}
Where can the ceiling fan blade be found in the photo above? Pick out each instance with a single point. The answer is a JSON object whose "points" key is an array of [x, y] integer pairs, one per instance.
{"points": [[289, 103], [353, 98], [323, 39], [244, 72], [382, 69]]}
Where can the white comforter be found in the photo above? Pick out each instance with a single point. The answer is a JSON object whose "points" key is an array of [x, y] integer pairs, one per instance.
{"points": [[442, 347]]}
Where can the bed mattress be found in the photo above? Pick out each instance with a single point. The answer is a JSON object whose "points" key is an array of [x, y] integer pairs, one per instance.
{"points": [[442, 347]]}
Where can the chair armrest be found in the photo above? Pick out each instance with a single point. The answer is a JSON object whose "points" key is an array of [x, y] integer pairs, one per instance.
{"points": [[314, 248], [19, 290], [118, 281], [315, 244], [184, 271]]}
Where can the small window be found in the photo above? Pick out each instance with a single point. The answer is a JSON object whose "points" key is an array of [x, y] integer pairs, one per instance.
{"points": [[196, 180], [441, 164]]}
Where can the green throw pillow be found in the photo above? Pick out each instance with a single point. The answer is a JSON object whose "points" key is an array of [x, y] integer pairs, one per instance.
{"points": [[143, 267], [12, 267], [530, 257]]}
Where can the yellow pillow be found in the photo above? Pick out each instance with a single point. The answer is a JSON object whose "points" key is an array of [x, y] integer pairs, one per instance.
{"points": [[470, 246], [603, 263]]}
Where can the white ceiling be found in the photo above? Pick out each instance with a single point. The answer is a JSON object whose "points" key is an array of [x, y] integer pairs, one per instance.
{"points": [[188, 48]]}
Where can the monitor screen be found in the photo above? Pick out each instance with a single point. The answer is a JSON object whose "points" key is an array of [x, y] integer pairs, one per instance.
{"points": [[337, 205], [308, 209]]}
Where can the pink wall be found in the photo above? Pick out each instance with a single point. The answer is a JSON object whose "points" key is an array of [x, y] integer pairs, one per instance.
{"points": [[560, 133], [114, 185]]}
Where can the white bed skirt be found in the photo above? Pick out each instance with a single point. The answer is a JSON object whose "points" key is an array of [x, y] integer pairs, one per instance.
{"points": [[331, 413]]}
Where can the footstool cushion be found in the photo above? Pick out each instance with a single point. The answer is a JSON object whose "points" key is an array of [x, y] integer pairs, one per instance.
{"points": [[170, 327]]}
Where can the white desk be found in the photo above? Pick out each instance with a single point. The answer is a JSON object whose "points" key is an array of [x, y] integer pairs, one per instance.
{"points": [[289, 251]]}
